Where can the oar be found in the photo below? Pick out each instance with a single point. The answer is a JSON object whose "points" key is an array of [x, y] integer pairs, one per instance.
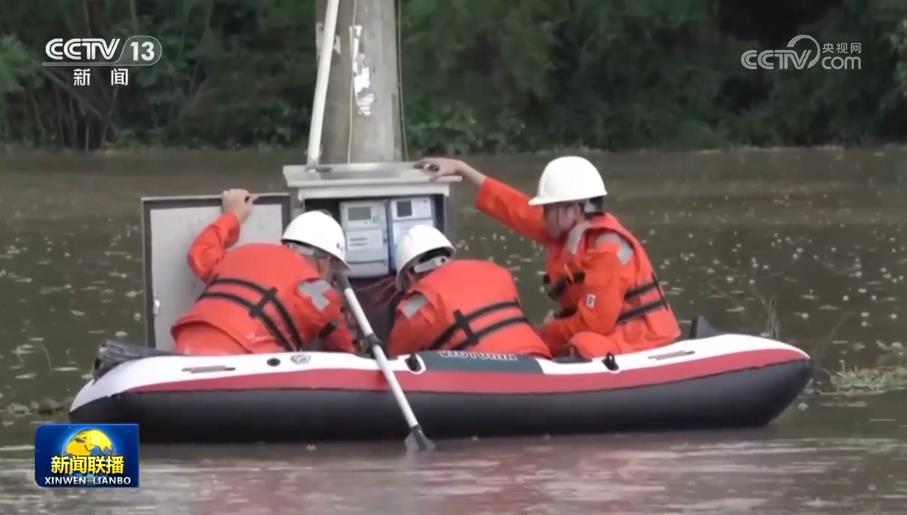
{"points": [[416, 440]]}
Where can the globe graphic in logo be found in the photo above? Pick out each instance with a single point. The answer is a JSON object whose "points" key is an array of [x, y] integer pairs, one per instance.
{"points": [[90, 442]]}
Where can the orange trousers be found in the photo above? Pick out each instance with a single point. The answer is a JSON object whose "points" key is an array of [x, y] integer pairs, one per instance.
{"points": [[207, 340]]}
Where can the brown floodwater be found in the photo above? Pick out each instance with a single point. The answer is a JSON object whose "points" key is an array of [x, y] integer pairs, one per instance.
{"points": [[809, 243]]}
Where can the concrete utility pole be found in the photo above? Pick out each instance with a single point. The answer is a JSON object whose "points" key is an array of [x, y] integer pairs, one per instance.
{"points": [[362, 112]]}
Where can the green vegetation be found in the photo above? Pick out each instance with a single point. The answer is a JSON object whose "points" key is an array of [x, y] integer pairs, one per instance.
{"points": [[479, 75], [873, 380], [864, 381]]}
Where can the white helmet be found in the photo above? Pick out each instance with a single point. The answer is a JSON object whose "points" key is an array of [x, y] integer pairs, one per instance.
{"points": [[418, 240], [568, 178], [319, 230]]}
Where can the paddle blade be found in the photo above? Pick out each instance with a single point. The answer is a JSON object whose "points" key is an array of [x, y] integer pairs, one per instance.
{"points": [[417, 441]]}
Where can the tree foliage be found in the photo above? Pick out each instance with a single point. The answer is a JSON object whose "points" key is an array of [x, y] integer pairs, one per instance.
{"points": [[478, 75]]}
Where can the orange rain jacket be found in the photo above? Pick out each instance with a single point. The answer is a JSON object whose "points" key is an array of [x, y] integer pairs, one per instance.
{"points": [[259, 297], [600, 274], [464, 305]]}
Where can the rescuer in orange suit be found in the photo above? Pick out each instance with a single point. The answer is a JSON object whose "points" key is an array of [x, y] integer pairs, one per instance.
{"points": [[265, 297], [598, 272], [456, 304]]}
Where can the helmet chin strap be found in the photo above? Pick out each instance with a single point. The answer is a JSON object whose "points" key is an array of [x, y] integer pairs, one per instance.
{"points": [[593, 206], [403, 279], [430, 264], [310, 252], [306, 250], [302, 249]]}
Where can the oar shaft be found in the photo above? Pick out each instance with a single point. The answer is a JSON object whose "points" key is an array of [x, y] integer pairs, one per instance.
{"points": [[395, 387], [359, 315], [376, 349]]}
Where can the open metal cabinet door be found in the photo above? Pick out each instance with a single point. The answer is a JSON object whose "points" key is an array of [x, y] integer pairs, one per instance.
{"points": [[169, 226]]}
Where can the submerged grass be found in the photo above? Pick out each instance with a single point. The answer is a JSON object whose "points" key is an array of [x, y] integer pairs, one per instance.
{"points": [[866, 381], [771, 325], [890, 374]]}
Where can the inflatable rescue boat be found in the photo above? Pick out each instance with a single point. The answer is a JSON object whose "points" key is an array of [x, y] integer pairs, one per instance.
{"points": [[709, 380]]}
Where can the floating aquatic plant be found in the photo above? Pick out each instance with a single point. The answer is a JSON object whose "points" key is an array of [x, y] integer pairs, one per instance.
{"points": [[868, 381]]}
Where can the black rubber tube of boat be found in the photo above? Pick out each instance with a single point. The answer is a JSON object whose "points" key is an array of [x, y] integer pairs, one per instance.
{"points": [[416, 439]]}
